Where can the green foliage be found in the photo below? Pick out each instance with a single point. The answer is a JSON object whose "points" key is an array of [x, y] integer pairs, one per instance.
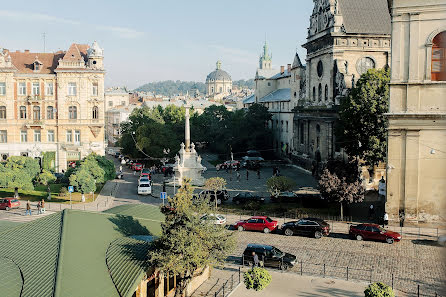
{"points": [[188, 244], [215, 183], [108, 167], [362, 124], [257, 278], [46, 177], [83, 181], [63, 191], [91, 165], [277, 184], [27, 165], [19, 172], [49, 161], [379, 290]]}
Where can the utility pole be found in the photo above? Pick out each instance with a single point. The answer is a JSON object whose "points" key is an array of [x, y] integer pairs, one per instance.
{"points": [[44, 45]]}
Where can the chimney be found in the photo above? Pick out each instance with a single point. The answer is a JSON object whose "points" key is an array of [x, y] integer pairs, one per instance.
{"points": [[282, 69], [26, 51], [289, 68], [17, 51]]}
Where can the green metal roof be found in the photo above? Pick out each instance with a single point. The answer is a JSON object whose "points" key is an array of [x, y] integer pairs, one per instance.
{"points": [[143, 211], [77, 253], [5, 225]]}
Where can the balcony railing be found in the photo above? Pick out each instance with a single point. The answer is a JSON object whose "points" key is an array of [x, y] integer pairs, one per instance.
{"points": [[35, 123], [34, 98]]}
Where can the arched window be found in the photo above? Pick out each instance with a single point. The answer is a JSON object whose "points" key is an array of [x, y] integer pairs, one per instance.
{"points": [[72, 112], [439, 57], [23, 112], [36, 113], [50, 113], [326, 92], [2, 112], [95, 112], [314, 93], [319, 92], [364, 64]]}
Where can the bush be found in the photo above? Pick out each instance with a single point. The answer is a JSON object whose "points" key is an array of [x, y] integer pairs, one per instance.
{"points": [[63, 192], [277, 184], [379, 290], [257, 278], [46, 177], [253, 205]]}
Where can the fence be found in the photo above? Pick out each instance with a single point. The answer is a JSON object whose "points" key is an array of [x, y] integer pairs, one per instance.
{"points": [[228, 285]]}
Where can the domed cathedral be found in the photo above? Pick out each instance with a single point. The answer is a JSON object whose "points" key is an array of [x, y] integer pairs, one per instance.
{"points": [[345, 39], [218, 83]]}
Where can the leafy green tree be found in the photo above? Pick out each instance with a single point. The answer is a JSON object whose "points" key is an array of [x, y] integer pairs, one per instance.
{"points": [[46, 178], [108, 167], [13, 177], [26, 165], [188, 244], [362, 124], [49, 161], [277, 184], [379, 290], [257, 278], [215, 184], [91, 165], [83, 181]]}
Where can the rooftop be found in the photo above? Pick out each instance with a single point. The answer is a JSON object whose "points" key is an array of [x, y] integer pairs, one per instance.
{"points": [[365, 16], [277, 95]]}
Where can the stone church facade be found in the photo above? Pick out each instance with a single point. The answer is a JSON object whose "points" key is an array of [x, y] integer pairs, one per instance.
{"points": [[218, 83], [52, 103], [345, 39], [416, 164]]}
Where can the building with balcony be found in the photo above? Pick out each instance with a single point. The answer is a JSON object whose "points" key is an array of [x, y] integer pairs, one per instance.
{"points": [[52, 102]]}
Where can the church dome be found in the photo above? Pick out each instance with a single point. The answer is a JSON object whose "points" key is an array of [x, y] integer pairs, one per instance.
{"points": [[218, 74]]}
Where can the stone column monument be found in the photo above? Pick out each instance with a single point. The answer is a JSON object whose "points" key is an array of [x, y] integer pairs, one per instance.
{"points": [[188, 162]]}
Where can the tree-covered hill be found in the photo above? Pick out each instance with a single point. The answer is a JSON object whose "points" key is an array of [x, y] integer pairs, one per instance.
{"points": [[171, 88]]}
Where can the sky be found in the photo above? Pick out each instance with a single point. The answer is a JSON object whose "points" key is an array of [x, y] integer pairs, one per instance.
{"points": [[148, 41]]}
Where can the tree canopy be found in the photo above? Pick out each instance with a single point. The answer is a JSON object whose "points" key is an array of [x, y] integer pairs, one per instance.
{"points": [[20, 172], [362, 124]]}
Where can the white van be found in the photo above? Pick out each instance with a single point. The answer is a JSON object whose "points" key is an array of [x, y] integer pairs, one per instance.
{"points": [[145, 188]]}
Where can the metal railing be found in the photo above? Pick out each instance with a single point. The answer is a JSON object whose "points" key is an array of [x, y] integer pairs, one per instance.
{"points": [[228, 286]]}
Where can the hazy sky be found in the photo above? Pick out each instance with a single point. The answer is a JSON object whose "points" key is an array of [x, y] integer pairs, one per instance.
{"points": [[150, 40]]}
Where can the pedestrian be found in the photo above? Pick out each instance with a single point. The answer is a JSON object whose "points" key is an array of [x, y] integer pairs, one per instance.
{"points": [[39, 209], [120, 168], [28, 209], [238, 176], [371, 211], [247, 174], [386, 219], [258, 173], [42, 206], [134, 172], [255, 262], [402, 217]]}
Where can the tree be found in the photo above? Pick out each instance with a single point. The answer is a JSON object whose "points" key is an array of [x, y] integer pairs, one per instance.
{"points": [[362, 124], [257, 278], [339, 189], [26, 165], [46, 178], [277, 184], [379, 290], [215, 184], [91, 165], [187, 244], [83, 181], [108, 167]]}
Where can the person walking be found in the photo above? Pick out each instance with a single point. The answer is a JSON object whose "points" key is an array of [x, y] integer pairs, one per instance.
{"points": [[28, 209], [255, 262], [402, 217], [258, 173], [386, 219], [238, 176], [39, 208], [247, 174], [371, 211], [42, 206], [120, 168]]}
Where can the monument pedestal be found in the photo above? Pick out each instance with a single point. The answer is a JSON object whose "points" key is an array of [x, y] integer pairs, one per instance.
{"points": [[188, 165]]}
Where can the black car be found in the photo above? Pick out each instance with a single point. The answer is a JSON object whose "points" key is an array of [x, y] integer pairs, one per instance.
{"points": [[221, 195], [245, 197], [309, 227], [285, 197], [269, 255]]}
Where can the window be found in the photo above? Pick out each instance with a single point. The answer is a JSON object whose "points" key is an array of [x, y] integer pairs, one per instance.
{"points": [[2, 88], [319, 92], [286, 126], [50, 136], [269, 84], [72, 112], [49, 89], [72, 89], [95, 112], [364, 64], [36, 113], [77, 136], [326, 92], [94, 90], [301, 133], [23, 136], [320, 69], [36, 66], [110, 103], [3, 136], [314, 93], [2, 112], [50, 113], [69, 136], [22, 112], [281, 126], [37, 136], [22, 88], [439, 57], [36, 88]]}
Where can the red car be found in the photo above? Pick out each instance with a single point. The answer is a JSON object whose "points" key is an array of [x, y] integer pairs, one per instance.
{"points": [[145, 173], [228, 164], [373, 232], [259, 223], [8, 203], [137, 166]]}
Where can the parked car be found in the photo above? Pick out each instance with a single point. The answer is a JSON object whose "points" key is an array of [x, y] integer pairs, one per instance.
{"points": [[9, 203], [252, 164], [373, 232], [308, 226], [216, 219], [269, 255], [221, 195], [234, 164], [137, 167], [284, 197], [258, 223], [245, 197], [167, 169], [143, 180], [145, 188], [146, 172]]}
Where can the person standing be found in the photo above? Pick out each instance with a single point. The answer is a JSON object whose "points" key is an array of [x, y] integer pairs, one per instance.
{"points": [[238, 176], [255, 262], [386, 219], [42, 206], [39, 210], [402, 217], [28, 209], [258, 173], [120, 168], [371, 211], [247, 174]]}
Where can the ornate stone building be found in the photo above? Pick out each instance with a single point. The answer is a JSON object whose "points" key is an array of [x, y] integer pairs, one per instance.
{"points": [[52, 103], [345, 39], [218, 83], [416, 164]]}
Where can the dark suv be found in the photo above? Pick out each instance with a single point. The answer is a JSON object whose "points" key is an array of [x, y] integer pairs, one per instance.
{"points": [[221, 195], [269, 255], [245, 197], [309, 227]]}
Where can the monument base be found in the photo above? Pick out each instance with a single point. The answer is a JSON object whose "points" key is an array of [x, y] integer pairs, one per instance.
{"points": [[188, 166]]}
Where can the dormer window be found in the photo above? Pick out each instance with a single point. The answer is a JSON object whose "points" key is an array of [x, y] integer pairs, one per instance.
{"points": [[37, 65]]}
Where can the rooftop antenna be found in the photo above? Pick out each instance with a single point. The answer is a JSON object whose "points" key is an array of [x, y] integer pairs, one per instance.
{"points": [[44, 35]]}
